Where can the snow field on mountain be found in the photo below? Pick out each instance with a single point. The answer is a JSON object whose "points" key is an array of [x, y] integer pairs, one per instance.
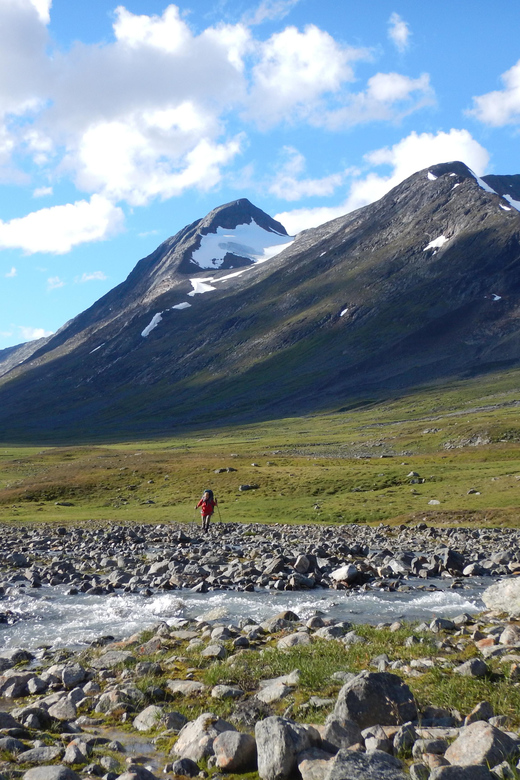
{"points": [[248, 240]]}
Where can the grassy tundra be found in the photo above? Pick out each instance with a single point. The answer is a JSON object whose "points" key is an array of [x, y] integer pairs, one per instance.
{"points": [[344, 466]]}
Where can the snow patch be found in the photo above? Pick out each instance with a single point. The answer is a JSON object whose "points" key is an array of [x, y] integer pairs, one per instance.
{"points": [[343, 312], [496, 297], [515, 203], [481, 183], [456, 185], [436, 243], [432, 176], [96, 348], [248, 240], [231, 276], [153, 324], [323, 253], [201, 286], [505, 208], [183, 305]]}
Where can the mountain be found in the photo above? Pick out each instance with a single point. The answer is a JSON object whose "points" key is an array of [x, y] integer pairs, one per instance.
{"points": [[233, 320]]}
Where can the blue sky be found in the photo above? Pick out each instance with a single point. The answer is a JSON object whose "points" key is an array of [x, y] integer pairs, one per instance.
{"points": [[119, 125]]}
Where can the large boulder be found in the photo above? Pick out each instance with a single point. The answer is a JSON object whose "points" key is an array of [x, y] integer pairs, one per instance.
{"points": [[462, 773], [235, 752], [377, 765], [481, 743], [504, 596], [374, 698], [196, 737], [51, 773], [278, 743]]}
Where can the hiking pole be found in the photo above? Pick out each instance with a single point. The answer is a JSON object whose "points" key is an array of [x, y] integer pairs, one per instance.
{"points": [[219, 515]]}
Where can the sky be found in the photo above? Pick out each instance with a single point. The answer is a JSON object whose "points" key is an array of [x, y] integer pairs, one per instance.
{"points": [[121, 124]]}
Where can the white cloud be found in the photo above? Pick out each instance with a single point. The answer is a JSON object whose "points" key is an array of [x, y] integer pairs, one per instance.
{"points": [[59, 228], [269, 10], [42, 192], [11, 274], [289, 186], [54, 283], [31, 334], [296, 69], [94, 276], [501, 107], [411, 154], [168, 32], [398, 32]]}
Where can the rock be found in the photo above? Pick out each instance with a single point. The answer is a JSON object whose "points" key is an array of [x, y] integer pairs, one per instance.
{"points": [[339, 734], [273, 693], [110, 659], [348, 574], [475, 667], [293, 640], [503, 596], [185, 767], [174, 720], [39, 755], [419, 772], [435, 746], [347, 765], [148, 719], [51, 773], [136, 772], [226, 692], [482, 711], [73, 675], [278, 743], [461, 773], [12, 745], [374, 698], [185, 687], [235, 752], [404, 739], [313, 764], [214, 651], [480, 743], [375, 739], [63, 710], [302, 564], [7, 721], [196, 737], [76, 753], [510, 635]]}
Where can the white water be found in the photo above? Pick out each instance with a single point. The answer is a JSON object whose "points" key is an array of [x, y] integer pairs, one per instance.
{"points": [[49, 617]]}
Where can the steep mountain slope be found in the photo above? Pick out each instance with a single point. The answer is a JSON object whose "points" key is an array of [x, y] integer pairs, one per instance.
{"points": [[422, 285]]}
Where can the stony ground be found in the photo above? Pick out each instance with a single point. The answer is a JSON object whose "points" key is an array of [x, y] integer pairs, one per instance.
{"points": [[318, 698]]}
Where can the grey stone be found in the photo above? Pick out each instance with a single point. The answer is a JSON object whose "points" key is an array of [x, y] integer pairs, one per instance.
{"points": [[196, 737], [436, 746], [7, 721], [149, 718], [226, 692], [480, 743], [340, 733], [293, 640], [273, 693], [110, 659], [278, 743], [185, 767], [472, 668], [174, 720], [404, 739], [235, 752], [39, 755], [185, 687], [461, 773], [347, 765], [419, 772], [63, 710], [313, 764], [73, 675], [376, 698], [12, 745], [214, 651], [51, 773]]}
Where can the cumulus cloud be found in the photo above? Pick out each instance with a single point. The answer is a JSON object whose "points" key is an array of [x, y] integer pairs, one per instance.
{"points": [[398, 32], [296, 69], [94, 276], [59, 228], [11, 274], [289, 185], [501, 107], [31, 334], [411, 154]]}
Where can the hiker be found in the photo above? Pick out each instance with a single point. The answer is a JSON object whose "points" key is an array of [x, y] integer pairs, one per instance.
{"points": [[207, 504]]}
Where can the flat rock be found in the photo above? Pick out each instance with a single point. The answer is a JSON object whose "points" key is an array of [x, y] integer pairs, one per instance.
{"points": [[461, 773], [347, 765], [293, 640], [51, 773], [110, 659], [480, 743], [185, 687], [39, 755], [313, 764]]}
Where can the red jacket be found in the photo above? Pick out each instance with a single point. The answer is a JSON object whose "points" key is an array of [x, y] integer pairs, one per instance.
{"points": [[207, 507]]}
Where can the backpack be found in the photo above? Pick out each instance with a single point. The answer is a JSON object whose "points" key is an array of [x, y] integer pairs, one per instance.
{"points": [[210, 493]]}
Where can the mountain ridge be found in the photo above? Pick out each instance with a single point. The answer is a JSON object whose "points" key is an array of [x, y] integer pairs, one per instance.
{"points": [[421, 285]]}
